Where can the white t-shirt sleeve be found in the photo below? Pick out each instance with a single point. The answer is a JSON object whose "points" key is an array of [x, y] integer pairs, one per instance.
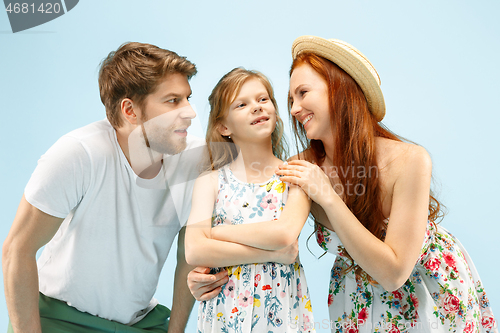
{"points": [[60, 179]]}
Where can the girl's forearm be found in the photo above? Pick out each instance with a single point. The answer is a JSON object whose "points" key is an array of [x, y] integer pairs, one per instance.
{"points": [[268, 235], [204, 251], [213, 253]]}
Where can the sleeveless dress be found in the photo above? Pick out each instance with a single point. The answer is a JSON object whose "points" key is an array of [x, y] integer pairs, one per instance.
{"points": [[443, 294], [260, 298]]}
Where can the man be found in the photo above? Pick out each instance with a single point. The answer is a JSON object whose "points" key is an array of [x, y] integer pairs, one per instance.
{"points": [[103, 200]]}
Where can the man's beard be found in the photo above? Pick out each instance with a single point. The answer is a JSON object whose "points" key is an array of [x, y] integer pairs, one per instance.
{"points": [[166, 141], [163, 140]]}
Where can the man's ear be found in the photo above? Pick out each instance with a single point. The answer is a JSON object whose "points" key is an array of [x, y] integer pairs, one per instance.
{"points": [[128, 109], [223, 130]]}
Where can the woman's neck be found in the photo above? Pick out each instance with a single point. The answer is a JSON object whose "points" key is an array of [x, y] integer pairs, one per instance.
{"points": [[329, 149]]}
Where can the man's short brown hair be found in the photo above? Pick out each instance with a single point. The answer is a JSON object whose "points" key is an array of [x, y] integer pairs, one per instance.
{"points": [[134, 71]]}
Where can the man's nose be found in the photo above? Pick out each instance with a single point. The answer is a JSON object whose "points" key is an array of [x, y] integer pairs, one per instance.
{"points": [[187, 112]]}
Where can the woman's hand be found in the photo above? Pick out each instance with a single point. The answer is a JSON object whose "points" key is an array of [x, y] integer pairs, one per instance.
{"points": [[310, 177]]}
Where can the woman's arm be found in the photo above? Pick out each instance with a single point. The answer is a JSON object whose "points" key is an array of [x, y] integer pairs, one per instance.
{"points": [[201, 250], [271, 235], [389, 262]]}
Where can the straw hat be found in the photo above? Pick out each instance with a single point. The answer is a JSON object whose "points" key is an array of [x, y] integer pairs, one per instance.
{"points": [[350, 60]]}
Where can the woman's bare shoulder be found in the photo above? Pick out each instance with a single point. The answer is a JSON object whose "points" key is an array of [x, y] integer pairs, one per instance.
{"points": [[398, 155], [303, 155]]}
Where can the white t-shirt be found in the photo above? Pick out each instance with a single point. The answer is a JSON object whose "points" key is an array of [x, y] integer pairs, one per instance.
{"points": [[106, 257]]}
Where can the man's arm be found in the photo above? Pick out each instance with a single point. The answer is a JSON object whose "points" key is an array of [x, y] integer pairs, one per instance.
{"points": [[30, 230], [183, 300]]}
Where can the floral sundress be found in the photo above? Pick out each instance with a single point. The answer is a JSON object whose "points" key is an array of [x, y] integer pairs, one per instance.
{"points": [[443, 294], [265, 298]]}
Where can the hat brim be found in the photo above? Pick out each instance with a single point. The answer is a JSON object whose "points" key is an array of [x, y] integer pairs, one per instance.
{"points": [[352, 62]]}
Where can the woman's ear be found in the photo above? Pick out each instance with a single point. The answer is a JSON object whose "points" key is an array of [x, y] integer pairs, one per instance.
{"points": [[223, 130]]}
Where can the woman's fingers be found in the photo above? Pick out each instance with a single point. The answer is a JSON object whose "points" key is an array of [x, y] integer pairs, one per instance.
{"points": [[290, 169], [292, 180], [299, 162]]}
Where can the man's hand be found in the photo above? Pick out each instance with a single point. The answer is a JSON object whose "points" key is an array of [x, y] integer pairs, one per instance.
{"points": [[205, 286]]}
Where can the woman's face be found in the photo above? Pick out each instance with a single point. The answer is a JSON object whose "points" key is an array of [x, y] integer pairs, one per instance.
{"points": [[309, 97]]}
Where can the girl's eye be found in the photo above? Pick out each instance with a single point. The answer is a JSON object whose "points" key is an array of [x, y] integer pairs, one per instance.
{"points": [[263, 99], [240, 105]]}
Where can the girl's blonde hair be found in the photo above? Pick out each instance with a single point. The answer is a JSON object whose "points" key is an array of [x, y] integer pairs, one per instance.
{"points": [[221, 149]]}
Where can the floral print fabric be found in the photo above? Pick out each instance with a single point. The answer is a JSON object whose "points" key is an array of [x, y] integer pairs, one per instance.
{"points": [[265, 298], [443, 294]]}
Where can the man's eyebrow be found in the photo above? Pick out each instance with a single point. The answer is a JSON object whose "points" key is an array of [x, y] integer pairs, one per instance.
{"points": [[169, 95], [175, 95]]}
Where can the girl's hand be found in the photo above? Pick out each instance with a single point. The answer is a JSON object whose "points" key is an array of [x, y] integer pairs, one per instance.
{"points": [[310, 177], [288, 255]]}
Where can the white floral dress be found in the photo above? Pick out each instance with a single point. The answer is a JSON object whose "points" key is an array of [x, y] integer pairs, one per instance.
{"points": [[260, 298], [443, 294]]}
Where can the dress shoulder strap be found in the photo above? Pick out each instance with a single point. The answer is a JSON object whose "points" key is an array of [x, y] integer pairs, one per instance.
{"points": [[224, 175]]}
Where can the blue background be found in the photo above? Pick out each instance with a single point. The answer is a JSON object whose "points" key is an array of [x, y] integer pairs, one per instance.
{"points": [[438, 61]]}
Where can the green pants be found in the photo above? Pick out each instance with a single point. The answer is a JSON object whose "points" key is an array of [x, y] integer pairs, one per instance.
{"points": [[59, 317]]}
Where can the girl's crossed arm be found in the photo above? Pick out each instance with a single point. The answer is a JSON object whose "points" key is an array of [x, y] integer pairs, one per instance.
{"points": [[271, 235], [202, 250]]}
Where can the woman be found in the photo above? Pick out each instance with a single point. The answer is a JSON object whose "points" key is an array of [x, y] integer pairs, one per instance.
{"points": [[396, 269]]}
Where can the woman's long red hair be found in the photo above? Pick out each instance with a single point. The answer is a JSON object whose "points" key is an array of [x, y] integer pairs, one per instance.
{"points": [[354, 155]]}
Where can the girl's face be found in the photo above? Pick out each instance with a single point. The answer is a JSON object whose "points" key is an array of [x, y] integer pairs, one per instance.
{"points": [[310, 106], [251, 116]]}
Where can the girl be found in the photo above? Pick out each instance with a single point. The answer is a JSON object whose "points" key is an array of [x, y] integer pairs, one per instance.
{"points": [[396, 269], [244, 137]]}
